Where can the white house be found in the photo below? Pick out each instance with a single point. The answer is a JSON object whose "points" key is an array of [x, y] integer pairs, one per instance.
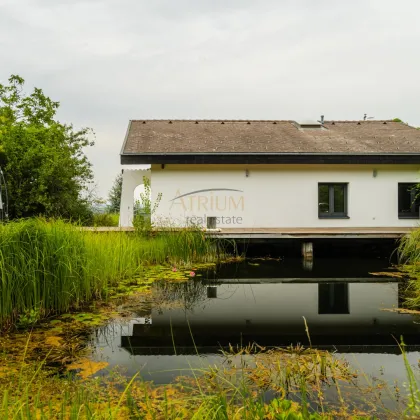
{"points": [[275, 174]]}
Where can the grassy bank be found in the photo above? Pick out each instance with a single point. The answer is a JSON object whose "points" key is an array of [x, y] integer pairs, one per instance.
{"points": [[278, 384], [291, 378], [409, 260], [53, 266]]}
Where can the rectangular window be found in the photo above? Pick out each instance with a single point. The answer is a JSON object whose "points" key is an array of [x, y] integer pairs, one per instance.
{"points": [[408, 201], [333, 298], [332, 200]]}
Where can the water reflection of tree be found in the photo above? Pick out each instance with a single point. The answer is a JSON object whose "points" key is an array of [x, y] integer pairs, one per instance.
{"points": [[178, 295]]}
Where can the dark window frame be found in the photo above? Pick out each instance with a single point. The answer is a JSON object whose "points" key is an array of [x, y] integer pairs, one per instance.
{"points": [[413, 214], [333, 299], [333, 214]]}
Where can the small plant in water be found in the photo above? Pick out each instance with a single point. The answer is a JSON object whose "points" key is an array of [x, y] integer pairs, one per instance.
{"points": [[29, 318]]}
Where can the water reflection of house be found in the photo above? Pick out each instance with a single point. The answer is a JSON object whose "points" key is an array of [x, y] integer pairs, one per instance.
{"points": [[345, 315]]}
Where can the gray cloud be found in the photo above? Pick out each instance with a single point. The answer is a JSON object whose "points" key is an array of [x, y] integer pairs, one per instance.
{"points": [[108, 61]]}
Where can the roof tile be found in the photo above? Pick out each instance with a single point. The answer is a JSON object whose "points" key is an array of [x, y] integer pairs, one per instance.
{"points": [[258, 136]]}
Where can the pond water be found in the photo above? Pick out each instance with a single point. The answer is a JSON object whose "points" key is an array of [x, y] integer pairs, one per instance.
{"points": [[185, 325]]}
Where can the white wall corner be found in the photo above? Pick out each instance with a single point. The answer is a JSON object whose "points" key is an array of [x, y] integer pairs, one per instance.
{"points": [[132, 178]]}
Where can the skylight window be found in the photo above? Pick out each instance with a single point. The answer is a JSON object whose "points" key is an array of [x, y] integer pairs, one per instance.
{"points": [[309, 124]]}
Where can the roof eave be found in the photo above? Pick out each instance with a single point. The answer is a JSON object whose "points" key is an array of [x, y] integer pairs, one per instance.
{"points": [[270, 158]]}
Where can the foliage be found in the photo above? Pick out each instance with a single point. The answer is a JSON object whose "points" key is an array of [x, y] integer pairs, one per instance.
{"points": [[54, 266], [144, 209], [28, 387], [106, 219], [114, 196], [29, 318], [142, 224], [398, 120], [409, 248], [33, 367], [409, 258], [43, 160], [117, 398], [413, 407], [145, 204]]}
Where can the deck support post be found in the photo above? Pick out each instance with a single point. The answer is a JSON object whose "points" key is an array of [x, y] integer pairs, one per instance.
{"points": [[308, 251]]}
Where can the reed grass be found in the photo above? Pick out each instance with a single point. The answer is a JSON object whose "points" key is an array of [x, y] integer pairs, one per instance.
{"points": [[31, 393], [409, 260], [53, 266], [409, 248], [135, 401], [211, 393]]}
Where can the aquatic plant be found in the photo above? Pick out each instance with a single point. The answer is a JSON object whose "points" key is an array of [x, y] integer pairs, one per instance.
{"points": [[409, 259], [409, 248], [28, 389], [52, 266]]}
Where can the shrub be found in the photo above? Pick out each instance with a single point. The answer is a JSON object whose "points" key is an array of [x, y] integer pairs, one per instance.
{"points": [[106, 219]]}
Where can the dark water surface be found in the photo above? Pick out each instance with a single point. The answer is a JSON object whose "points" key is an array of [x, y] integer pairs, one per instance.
{"points": [[265, 302]]}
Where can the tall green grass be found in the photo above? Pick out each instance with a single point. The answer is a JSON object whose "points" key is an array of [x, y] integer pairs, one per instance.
{"points": [[409, 259], [106, 219], [241, 390], [235, 391], [409, 248], [36, 398], [53, 266]]}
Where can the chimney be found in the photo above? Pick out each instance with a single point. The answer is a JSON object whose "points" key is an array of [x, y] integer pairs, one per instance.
{"points": [[322, 120]]}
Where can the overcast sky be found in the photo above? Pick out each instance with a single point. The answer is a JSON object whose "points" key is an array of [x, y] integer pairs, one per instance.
{"points": [[108, 61]]}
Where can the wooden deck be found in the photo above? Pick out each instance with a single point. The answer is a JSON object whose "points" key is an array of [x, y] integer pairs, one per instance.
{"points": [[314, 233], [291, 233]]}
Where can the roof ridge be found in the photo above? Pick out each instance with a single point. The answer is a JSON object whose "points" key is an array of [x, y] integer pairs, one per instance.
{"points": [[355, 121], [205, 120], [192, 120]]}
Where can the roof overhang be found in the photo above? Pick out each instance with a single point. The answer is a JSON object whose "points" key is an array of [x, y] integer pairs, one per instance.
{"points": [[269, 158]]}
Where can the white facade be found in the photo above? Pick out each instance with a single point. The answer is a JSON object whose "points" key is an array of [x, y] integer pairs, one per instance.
{"points": [[132, 178], [274, 196]]}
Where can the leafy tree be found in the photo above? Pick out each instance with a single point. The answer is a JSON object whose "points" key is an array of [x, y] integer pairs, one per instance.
{"points": [[43, 160], [114, 196]]}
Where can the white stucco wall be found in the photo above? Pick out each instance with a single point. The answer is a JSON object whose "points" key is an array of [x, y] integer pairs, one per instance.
{"points": [[132, 178], [278, 195]]}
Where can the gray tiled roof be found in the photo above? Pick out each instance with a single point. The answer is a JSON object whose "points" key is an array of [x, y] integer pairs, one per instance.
{"points": [[226, 136]]}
